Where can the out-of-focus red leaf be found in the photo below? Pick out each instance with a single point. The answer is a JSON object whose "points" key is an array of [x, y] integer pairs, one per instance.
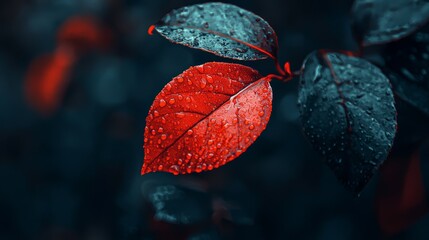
{"points": [[47, 78], [401, 198], [205, 117], [83, 33]]}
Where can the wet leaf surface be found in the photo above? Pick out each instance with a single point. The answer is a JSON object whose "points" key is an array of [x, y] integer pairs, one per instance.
{"points": [[205, 117], [177, 204], [223, 29], [348, 114], [383, 21], [407, 67]]}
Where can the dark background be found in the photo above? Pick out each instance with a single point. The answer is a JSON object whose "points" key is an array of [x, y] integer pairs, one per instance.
{"points": [[75, 174]]}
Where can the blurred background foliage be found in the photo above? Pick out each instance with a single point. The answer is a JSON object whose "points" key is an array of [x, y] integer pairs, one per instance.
{"points": [[74, 172]]}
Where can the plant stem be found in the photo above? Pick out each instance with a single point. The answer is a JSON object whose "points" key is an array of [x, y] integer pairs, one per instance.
{"points": [[279, 68]]}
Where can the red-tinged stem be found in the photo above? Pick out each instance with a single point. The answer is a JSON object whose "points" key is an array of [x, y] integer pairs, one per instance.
{"points": [[285, 72], [269, 77], [286, 78], [279, 68]]}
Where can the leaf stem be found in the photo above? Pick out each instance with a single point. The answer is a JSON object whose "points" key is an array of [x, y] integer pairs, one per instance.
{"points": [[279, 68], [269, 77], [285, 72]]}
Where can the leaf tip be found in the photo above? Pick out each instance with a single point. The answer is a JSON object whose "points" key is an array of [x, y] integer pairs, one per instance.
{"points": [[151, 29], [287, 68], [143, 171]]}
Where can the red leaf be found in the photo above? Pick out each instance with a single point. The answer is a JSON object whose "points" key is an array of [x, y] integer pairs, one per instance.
{"points": [[205, 117], [47, 78], [401, 198], [83, 33]]}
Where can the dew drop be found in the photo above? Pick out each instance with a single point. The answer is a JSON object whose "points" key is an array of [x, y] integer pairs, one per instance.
{"points": [[160, 167], [203, 83], [174, 169], [153, 132], [180, 79], [160, 130], [180, 115], [190, 132], [163, 136], [188, 99], [156, 113], [210, 79], [200, 69], [162, 103], [251, 127], [171, 101], [240, 50]]}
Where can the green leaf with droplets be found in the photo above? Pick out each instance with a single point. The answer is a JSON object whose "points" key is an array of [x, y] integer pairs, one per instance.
{"points": [[348, 114], [222, 29]]}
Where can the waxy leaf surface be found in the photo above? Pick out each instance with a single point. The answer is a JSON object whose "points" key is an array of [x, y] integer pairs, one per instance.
{"points": [[223, 29], [347, 111], [205, 117], [383, 21]]}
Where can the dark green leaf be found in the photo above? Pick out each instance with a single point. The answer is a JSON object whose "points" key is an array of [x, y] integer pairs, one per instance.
{"points": [[383, 21], [222, 29], [348, 114]]}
